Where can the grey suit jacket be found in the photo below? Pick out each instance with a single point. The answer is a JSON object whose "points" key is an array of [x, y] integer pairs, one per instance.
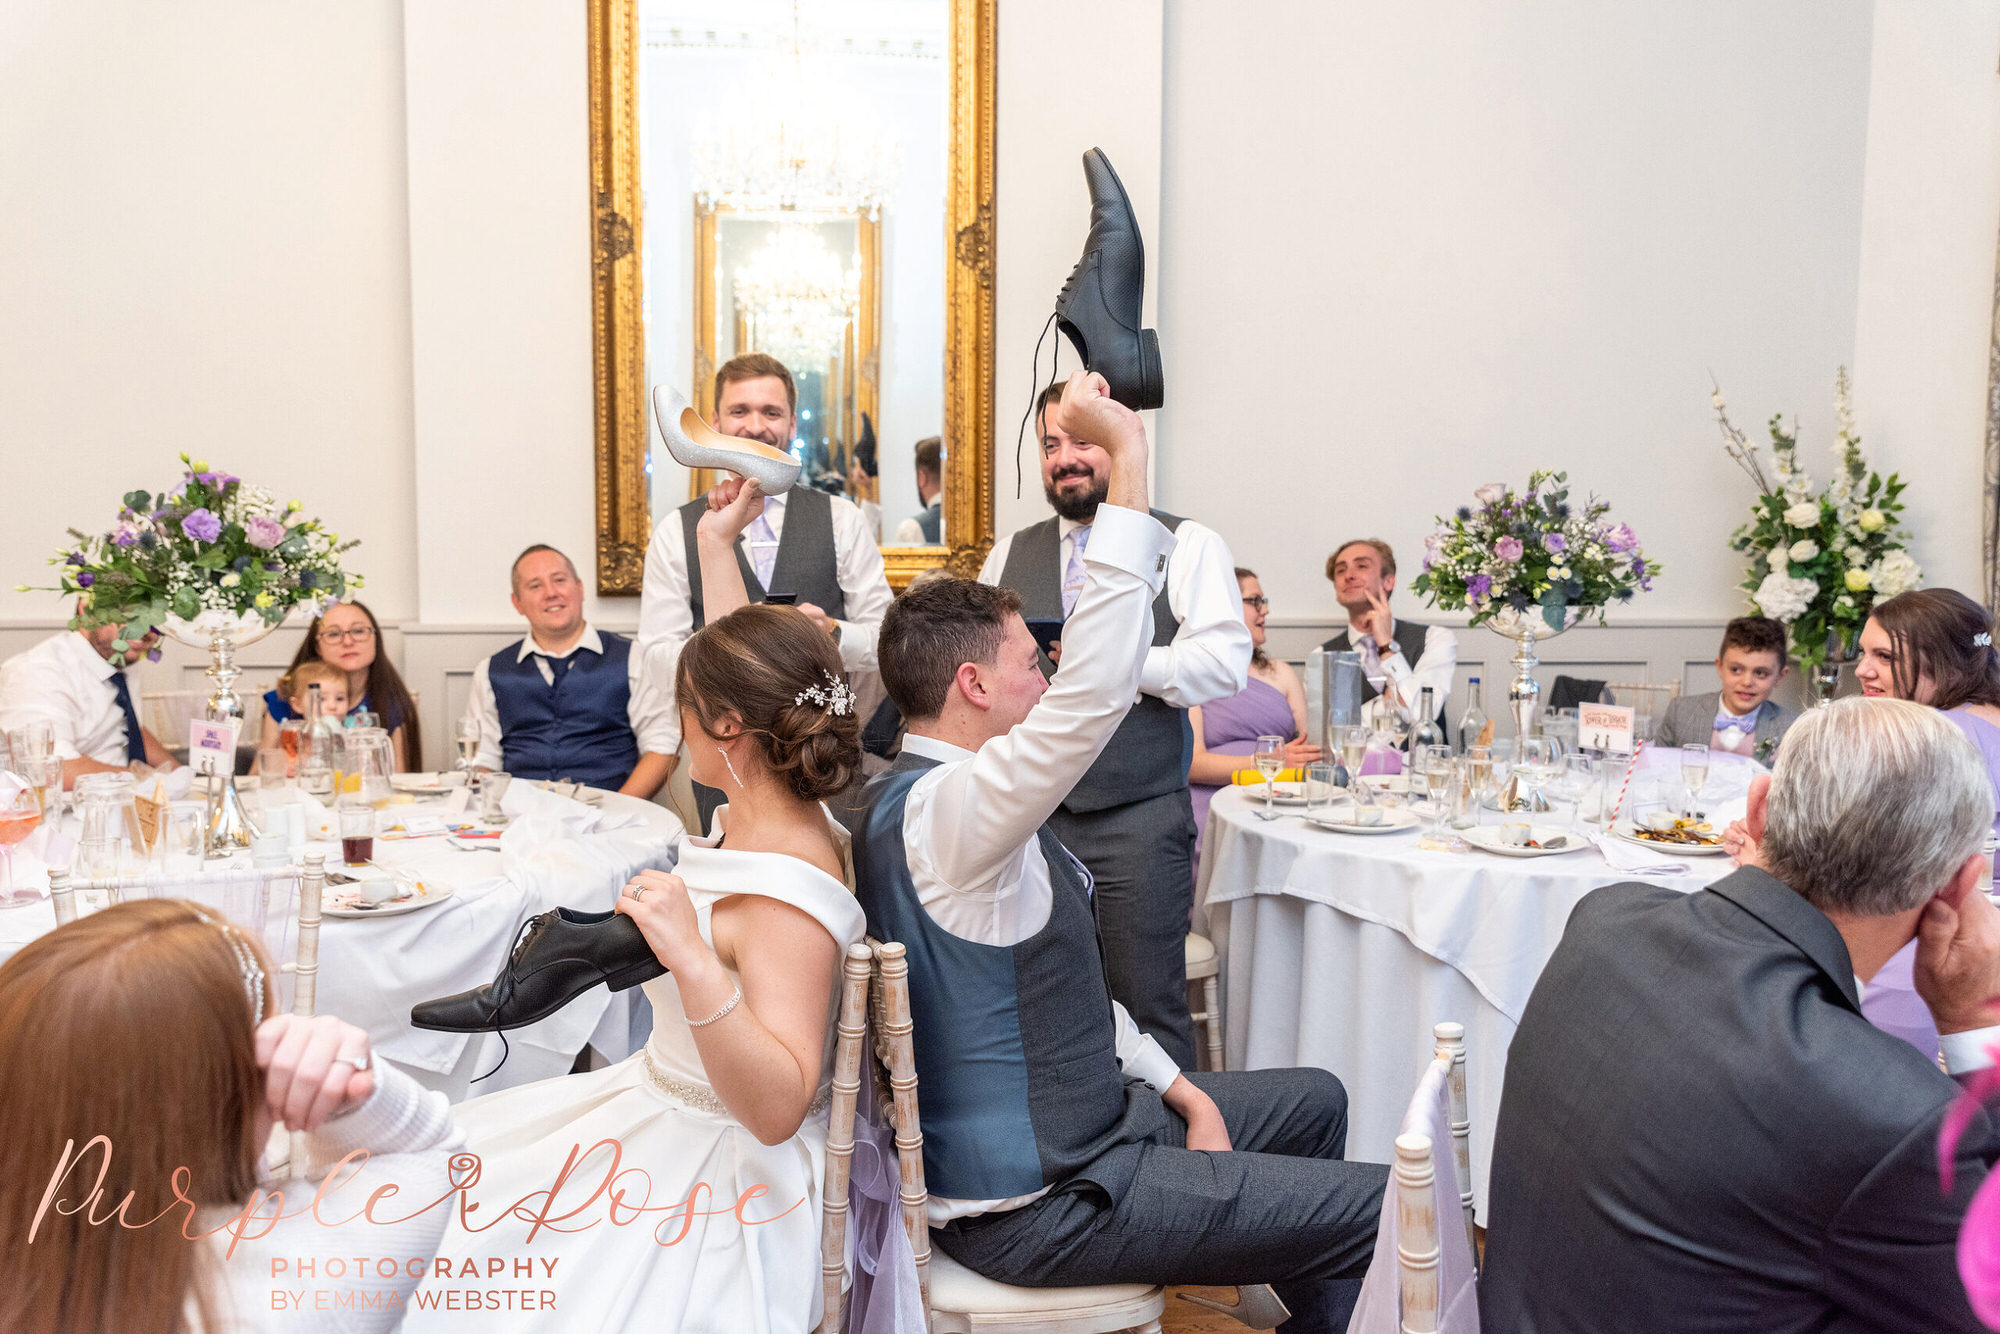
{"points": [[1691, 719], [1700, 1132]]}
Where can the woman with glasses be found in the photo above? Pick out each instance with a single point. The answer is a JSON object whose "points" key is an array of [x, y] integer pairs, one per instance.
{"points": [[1272, 703], [347, 636]]}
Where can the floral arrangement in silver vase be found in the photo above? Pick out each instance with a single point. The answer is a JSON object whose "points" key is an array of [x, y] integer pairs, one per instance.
{"points": [[213, 550]]}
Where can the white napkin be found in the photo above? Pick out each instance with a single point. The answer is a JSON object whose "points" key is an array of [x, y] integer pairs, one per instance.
{"points": [[526, 799], [1635, 860]]}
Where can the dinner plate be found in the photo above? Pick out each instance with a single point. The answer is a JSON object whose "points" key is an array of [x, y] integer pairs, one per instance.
{"points": [[1487, 839], [1387, 782], [1625, 829], [1395, 822], [430, 896], [1283, 794]]}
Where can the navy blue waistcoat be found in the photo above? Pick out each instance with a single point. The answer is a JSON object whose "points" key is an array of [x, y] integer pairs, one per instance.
{"points": [[1017, 1069], [577, 729]]}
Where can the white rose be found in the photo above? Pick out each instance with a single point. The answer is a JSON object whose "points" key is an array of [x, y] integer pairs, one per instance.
{"points": [[1872, 521], [1804, 549], [1491, 494], [1803, 515], [1783, 598]]}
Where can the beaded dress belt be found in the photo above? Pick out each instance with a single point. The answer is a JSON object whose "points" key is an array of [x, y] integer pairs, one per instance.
{"points": [[702, 1098]]}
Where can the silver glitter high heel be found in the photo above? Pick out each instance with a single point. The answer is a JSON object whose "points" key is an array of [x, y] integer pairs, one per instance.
{"points": [[695, 444]]}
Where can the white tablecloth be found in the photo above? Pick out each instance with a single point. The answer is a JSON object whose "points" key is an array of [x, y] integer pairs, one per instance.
{"points": [[1342, 951], [372, 970]]}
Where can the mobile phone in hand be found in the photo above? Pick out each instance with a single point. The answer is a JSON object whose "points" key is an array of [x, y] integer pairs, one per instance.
{"points": [[782, 599], [1048, 634]]}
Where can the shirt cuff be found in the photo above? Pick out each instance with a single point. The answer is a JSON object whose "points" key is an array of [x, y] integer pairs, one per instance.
{"points": [[1157, 670], [1968, 1051], [1150, 1064], [1131, 541]]}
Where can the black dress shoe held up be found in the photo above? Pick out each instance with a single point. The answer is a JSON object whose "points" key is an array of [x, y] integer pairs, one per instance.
{"points": [[560, 955], [1099, 306]]}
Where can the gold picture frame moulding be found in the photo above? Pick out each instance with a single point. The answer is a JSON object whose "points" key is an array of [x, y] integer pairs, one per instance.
{"points": [[624, 522]]}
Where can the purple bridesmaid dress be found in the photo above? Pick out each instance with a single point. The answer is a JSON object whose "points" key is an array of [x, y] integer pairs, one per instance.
{"points": [[1231, 727]]}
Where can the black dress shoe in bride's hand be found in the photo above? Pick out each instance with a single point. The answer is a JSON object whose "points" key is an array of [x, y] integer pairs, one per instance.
{"points": [[1099, 308], [560, 955]]}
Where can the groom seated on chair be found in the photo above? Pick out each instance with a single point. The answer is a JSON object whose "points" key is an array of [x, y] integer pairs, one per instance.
{"points": [[1062, 1147]]}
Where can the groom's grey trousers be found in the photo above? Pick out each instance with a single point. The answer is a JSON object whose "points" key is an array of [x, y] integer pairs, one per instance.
{"points": [[1281, 1208]]}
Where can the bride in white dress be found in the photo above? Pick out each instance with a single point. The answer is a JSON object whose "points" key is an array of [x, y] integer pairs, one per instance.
{"points": [[717, 1130]]}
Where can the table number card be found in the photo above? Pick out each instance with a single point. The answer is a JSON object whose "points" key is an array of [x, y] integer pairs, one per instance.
{"points": [[211, 746], [1604, 727]]}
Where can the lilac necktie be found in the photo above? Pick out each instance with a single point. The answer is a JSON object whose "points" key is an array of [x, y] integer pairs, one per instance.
{"points": [[763, 549], [1073, 575]]}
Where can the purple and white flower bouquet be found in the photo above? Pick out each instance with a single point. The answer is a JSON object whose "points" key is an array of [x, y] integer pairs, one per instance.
{"points": [[212, 548], [1513, 551]]}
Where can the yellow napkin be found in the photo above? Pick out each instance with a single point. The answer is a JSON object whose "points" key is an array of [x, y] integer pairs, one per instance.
{"points": [[1251, 778]]}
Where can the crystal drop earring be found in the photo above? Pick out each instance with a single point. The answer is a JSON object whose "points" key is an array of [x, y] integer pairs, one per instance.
{"points": [[732, 766]]}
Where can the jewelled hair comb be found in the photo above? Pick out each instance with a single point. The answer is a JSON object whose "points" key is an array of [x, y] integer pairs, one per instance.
{"points": [[834, 697]]}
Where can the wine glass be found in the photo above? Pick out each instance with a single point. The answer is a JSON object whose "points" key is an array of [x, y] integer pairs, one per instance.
{"points": [[1539, 756], [20, 811], [1269, 758], [1694, 774], [1580, 773]]}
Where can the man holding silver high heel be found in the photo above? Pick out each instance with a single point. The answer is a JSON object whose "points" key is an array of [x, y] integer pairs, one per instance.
{"points": [[810, 547]]}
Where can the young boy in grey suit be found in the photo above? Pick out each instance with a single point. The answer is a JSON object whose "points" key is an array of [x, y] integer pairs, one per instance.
{"points": [[1740, 718]]}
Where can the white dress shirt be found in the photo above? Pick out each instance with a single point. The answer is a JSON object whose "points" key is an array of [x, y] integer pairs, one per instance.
{"points": [[646, 710], [666, 614], [969, 825], [1209, 658], [66, 683], [1435, 670], [1961, 1053]]}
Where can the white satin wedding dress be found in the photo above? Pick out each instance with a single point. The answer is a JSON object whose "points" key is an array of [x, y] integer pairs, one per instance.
{"points": [[671, 1269]]}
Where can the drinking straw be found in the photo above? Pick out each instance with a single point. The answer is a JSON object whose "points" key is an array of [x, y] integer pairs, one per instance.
{"points": [[1630, 768]]}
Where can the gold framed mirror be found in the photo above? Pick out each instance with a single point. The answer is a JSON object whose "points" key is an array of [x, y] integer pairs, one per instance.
{"points": [[692, 261]]}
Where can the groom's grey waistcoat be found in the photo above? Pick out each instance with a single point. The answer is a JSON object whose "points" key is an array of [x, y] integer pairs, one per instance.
{"points": [[1149, 754], [1016, 1064], [807, 565]]}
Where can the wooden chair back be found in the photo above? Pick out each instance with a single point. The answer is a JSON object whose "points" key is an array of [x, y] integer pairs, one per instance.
{"points": [[1418, 1255], [875, 994]]}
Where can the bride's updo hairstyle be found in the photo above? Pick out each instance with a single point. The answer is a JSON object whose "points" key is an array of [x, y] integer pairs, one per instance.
{"points": [[765, 664], [134, 1024]]}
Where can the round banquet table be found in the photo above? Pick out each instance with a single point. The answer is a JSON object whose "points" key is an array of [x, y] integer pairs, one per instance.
{"points": [[555, 851], [1342, 951]]}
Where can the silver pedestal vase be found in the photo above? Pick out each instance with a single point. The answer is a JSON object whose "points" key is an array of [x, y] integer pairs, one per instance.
{"points": [[1524, 692], [1823, 681], [222, 634]]}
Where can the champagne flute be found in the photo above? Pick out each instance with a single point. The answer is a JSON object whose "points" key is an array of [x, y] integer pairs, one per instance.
{"points": [[1270, 760], [1353, 749], [1694, 774], [1441, 777], [468, 746]]}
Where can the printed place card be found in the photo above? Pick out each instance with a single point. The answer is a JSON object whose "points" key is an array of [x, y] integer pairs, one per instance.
{"points": [[211, 746], [1605, 727]]}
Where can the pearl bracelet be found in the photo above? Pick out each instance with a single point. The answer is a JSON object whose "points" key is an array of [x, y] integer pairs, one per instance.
{"points": [[735, 998]]}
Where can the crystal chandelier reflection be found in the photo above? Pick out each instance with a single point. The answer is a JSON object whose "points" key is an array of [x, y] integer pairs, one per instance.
{"points": [[797, 144], [798, 297]]}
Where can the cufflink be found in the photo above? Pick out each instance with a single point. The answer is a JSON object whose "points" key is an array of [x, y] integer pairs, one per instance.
{"points": [[1160, 564]]}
